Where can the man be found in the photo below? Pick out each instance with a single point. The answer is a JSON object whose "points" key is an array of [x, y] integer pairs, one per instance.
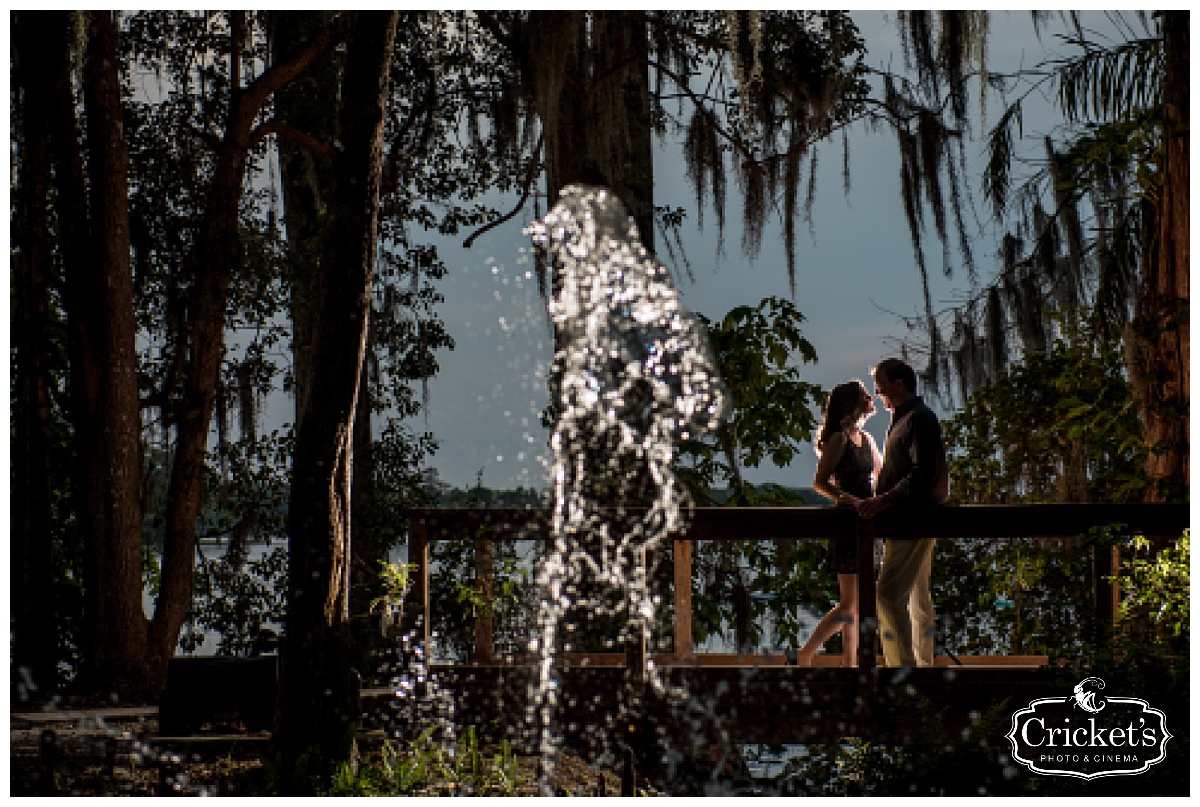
{"points": [[913, 475]]}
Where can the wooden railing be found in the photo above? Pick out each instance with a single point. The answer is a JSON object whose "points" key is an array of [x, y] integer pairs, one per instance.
{"points": [[1000, 522]]}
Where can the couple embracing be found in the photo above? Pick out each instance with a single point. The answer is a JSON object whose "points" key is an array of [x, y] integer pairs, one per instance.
{"points": [[911, 472]]}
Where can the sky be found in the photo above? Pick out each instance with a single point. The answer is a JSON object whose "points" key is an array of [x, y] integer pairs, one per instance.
{"points": [[856, 276]]}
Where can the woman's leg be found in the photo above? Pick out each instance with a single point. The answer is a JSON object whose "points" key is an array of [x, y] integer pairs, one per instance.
{"points": [[844, 614]]}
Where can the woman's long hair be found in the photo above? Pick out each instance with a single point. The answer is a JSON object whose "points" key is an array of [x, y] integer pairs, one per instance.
{"points": [[843, 407]]}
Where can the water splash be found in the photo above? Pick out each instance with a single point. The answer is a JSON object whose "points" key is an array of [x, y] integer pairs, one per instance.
{"points": [[633, 375]]}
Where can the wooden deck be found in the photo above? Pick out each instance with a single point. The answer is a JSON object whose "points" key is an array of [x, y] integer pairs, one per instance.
{"points": [[729, 700]]}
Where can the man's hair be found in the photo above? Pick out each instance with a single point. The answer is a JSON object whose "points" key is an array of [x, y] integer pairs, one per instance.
{"points": [[898, 369]]}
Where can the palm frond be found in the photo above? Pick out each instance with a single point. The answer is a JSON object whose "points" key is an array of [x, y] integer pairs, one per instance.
{"points": [[1106, 83]]}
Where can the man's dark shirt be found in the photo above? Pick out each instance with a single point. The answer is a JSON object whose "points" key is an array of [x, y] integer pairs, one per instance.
{"points": [[914, 458]]}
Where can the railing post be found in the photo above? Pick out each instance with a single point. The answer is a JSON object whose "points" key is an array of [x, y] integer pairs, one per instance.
{"points": [[1108, 589], [418, 556], [485, 589], [635, 648], [683, 599], [868, 623]]}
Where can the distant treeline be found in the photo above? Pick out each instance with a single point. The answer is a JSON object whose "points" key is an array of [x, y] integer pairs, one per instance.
{"points": [[478, 496]]}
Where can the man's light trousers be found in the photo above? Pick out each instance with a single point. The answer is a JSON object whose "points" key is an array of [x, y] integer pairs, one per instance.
{"points": [[905, 604]]}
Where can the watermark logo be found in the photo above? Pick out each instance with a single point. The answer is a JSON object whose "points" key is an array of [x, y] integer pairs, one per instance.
{"points": [[1087, 695], [1087, 735]]}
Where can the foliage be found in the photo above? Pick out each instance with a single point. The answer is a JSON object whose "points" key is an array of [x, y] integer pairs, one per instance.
{"points": [[1060, 426], [456, 596], [395, 581], [1078, 217], [752, 92], [237, 600], [772, 406], [1109, 83], [1156, 588], [772, 417], [423, 767], [1014, 597], [778, 84]]}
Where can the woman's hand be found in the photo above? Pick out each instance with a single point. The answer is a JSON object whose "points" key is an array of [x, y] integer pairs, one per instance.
{"points": [[867, 508], [849, 500]]}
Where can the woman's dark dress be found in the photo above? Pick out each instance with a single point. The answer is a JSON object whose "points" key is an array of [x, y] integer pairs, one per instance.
{"points": [[853, 475]]}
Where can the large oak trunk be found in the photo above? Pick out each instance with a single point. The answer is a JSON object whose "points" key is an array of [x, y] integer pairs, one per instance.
{"points": [[593, 91]]}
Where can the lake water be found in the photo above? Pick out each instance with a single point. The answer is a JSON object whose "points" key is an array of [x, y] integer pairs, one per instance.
{"points": [[212, 551]]}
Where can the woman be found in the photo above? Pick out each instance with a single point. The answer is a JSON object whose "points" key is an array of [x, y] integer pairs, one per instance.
{"points": [[849, 463]]}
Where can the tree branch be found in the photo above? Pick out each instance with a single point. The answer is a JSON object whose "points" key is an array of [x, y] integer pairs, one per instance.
{"points": [[295, 135], [277, 75], [534, 162]]}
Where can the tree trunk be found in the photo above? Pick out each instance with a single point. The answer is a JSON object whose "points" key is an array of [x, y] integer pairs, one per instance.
{"points": [[306, 174], [316, 702], [1159, 335], [305, 177], [49, 38], [121, 643], [35, 647], [595, 105], [216, 260], [1165, 286]]}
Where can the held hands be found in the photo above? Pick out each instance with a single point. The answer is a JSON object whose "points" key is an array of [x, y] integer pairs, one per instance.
{"points": [[867, 508]]}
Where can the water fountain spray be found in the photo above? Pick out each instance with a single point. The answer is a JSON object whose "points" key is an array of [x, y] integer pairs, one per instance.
{"points": [[633, 375]]}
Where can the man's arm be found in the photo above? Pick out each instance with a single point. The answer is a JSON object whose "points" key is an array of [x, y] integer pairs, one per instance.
{"points": [[925, 452]]}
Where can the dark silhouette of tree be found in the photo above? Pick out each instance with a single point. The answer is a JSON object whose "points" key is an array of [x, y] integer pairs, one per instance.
{"points": [[100, 292], [1124, 164], [1162, 318], [35, 367], [317, 697], [754, 92]]}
